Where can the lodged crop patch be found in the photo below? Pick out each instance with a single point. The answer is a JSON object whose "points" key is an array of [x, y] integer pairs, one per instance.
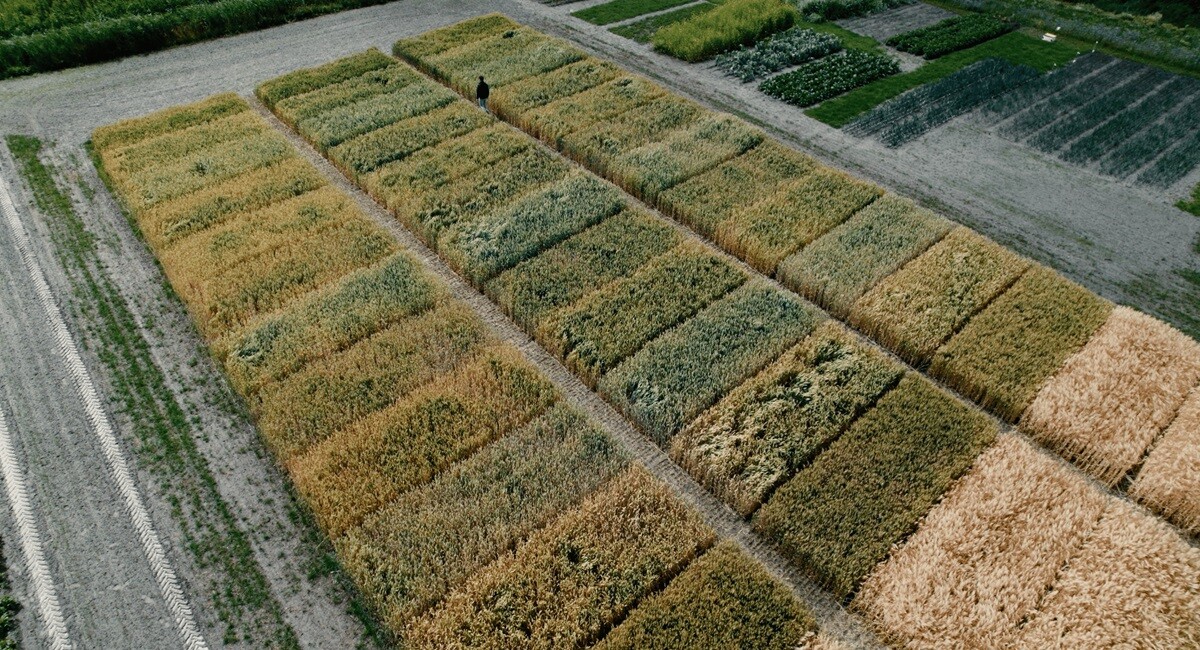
{"points": [[1169, 480], [839, 517], [766, 429]]}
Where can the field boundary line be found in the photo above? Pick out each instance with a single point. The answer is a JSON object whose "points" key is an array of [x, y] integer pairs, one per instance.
{"points": [[829, 613], [164, 573], [16, 486]]}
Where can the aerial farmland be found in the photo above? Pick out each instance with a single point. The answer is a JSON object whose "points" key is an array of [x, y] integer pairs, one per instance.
{"points": [[541, 324]]}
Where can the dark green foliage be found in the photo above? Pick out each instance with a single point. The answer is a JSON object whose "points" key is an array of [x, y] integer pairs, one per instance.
{"points": [[829, 77], [838, 518], [951, 35]]}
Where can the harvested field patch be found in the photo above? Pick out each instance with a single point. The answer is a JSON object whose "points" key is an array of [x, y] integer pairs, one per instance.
{"points": [[410, 554], [687, 369], [1109, 401], [723, 600], [839, 517], [1134, 578], [1169, 481], [575, 577], [983, 557], [765, 430], [1006, 352], [618, 10], [841, 266], [916, 309]]}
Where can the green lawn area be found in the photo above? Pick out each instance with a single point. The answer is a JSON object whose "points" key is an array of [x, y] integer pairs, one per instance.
{"points": [[1017, 47], [618, 10], [643, 30], [1192, 205]]}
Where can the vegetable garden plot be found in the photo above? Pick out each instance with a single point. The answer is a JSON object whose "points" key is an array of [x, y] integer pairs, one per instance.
{"points": [[1169, 480], [563, 274], [1109, 402], [1134, 578], [684, 371], [723, 600], [409, 555], [838, 518], [916, 309], [1146, 145], [1040, 115], [598, 331], [1006, 352], [1128, 122], [839, 267], [831, 76], [951, 35], [490, 60], [1011, 103], [574, 578], [1102, 108], [765, 430], [924, 108], [982, 558], [731, 24], [793, 47]]}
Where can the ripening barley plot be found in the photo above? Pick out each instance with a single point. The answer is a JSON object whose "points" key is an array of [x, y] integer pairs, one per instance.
{"points": [[1134, 578], [1169, 480], [411, 553], [838, 517], [982, 558], [597, 561], [598, 146], [1111, 400], [765, 430], [733, 23], [722, 600], [555, 120], [916, 309], [1007, 351], [518, 98]]}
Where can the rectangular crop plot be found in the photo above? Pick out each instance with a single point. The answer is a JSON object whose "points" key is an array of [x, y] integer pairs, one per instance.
{"points": [[1128, 122], [723, 600], [572, 113], [501, 60], [563, 274], [951, 35], [338, 124], [1100, 109], [375, 83], [1070, 100], [132, 131], [434, 42], [597, 560], [410, 554], [838, 518], [793, 47], [331, 393], [368, 465], [796, 214], [1169, 481], [853, 257], [608, 325], [765, 430], [1134, 578], [1011, 103], [310, 79], [1149, 143], [831, 76], [397, 141], [1112, 399], [1005, 353], [483, 247], [687, 369], [983, 557], [916, 309], [731, 24], [516, 99], [597, 146]]}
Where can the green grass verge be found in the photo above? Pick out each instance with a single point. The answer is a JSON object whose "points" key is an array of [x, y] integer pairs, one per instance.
{"points": [[1016, 47], [1192, 205], [643, 31], [618, 10]]}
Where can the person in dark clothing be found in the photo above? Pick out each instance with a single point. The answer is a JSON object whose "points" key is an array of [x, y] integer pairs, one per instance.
{"points": [[481, 93]]}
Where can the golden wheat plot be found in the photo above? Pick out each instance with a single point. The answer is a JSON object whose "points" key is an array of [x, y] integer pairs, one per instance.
{"points": [[1111, 399], [983, 557], [127, 132], [1134, 584], [1169, 481]]}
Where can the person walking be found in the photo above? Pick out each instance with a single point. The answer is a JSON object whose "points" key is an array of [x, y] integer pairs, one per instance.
{"points": [[481, 93]]}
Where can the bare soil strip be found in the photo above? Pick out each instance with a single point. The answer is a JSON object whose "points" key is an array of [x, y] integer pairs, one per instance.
{"points": [[831, 616], [164, 572]]}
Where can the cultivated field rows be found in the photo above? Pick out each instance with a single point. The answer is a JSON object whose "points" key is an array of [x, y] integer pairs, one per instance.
{"points": [[596, 288], [992, 326], [445, 468]]}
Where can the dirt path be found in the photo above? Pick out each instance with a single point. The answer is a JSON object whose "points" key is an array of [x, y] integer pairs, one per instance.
{"points": [[831, 616], [95, 553]]}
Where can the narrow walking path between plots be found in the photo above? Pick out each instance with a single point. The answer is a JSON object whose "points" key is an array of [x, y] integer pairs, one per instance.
{"points": [[117, 464], [831, 616]]}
